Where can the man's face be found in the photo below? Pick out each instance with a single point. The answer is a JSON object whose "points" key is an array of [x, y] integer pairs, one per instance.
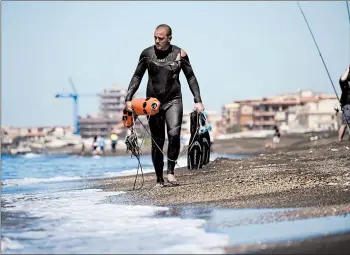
{"points": [[162, 41]]}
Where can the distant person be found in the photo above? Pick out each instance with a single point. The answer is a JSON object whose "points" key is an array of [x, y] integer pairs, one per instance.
{"points": [[276, 137], [94, 144], [114, 141], [101, 144], [82, 148], [344, 103]]}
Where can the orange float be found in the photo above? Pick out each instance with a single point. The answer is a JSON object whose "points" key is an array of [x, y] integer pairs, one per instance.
{"points": [[128, 118], [145, 106]]}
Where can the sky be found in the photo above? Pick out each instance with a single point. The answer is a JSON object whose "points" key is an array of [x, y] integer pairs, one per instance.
{"points": [[238, 50]]}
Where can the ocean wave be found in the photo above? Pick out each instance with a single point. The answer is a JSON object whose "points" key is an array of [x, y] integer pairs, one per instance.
{"points": [[29, 181]]}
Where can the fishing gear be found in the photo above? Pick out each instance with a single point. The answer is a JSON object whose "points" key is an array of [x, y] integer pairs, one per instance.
{"points": [[140, 106], [151, 108], [347, 6], [301, 10], [181, 153], [199, 152], [336, 109], [128, 118], [132, 145], [145, 106]]}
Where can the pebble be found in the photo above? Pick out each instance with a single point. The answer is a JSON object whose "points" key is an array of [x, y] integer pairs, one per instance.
{"points": [[332, 183]]}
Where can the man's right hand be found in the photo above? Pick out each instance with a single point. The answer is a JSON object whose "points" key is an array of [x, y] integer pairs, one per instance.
{"points": [[128, 106]]}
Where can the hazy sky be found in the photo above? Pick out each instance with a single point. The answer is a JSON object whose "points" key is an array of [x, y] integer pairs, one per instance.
{"points": [[238, 50]]}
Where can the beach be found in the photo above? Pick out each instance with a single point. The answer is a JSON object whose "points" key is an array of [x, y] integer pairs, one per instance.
{"points": [[312, 176], [249, 199]]}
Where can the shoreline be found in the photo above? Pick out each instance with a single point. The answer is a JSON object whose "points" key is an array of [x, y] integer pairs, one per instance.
{"points": [[314, 177], [260, 176], [326, 244], [251, 146]]}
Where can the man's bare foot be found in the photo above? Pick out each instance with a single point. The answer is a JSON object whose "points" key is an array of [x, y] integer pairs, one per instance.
{"points": [[172, 179], [159, 185]]}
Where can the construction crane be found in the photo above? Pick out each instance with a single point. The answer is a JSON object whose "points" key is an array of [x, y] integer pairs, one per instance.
{"points": [[75, 97]]}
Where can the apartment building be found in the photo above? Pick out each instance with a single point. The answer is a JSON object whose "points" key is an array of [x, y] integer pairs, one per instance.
{"points": [[317, 114], [305, 108], [109, 118], [112, 102], [230, 117]]}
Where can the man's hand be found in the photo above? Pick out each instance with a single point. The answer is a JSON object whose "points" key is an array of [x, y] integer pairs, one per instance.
{"points": [[345, 75], [128, 106], [198, 107]]}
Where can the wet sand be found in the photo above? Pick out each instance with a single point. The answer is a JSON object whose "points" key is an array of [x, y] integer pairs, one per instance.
{"points": [[312, 176], [328, 244]]}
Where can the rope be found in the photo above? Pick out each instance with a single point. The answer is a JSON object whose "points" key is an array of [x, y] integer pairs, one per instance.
{"points": [[182, 152]]}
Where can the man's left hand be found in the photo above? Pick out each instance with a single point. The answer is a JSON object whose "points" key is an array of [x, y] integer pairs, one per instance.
{"points": [[199, 107]]}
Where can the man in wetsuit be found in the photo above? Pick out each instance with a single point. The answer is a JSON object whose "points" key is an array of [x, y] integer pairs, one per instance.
{"points": [[344, 82], [164, 62]]}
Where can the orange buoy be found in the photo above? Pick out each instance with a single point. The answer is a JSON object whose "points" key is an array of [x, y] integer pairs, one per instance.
{"points": [[145, 106], [128, 118]]}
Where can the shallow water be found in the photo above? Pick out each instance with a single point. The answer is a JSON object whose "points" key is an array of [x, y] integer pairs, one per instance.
{"points": [[48, 206]]}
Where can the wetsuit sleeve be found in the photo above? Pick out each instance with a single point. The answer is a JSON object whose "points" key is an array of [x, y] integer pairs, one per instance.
{"points": [[137, 77], [191, 78], [343, 85]]}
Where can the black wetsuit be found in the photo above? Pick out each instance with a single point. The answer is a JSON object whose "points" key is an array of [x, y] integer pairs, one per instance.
{"points": [[345, 88], [345, 100], [163, 83]]}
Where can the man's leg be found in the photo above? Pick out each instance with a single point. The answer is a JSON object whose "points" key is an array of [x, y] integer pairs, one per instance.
{"points": [[173, 118], [341, 132], [157, 127]]}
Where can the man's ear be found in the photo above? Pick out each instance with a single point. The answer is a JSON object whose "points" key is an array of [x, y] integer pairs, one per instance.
{"points": [[169, 38]]}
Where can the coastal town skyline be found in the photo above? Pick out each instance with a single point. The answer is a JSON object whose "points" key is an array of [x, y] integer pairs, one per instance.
{"points": [[246, 50]]}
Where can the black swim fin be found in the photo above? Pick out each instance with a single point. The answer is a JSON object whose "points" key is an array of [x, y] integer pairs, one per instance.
{"points": [[199, 145], [194, 156], [205, 138]]}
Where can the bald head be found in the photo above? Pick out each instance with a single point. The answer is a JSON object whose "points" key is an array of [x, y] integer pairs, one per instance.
{"points": [[162, 37], [166, 27]]}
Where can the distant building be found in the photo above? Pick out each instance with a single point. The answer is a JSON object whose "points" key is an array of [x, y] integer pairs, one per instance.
{"points": [[112, 102], [315, 114], [304, 109], [109, 118], [229, 117], [34, 131]]}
